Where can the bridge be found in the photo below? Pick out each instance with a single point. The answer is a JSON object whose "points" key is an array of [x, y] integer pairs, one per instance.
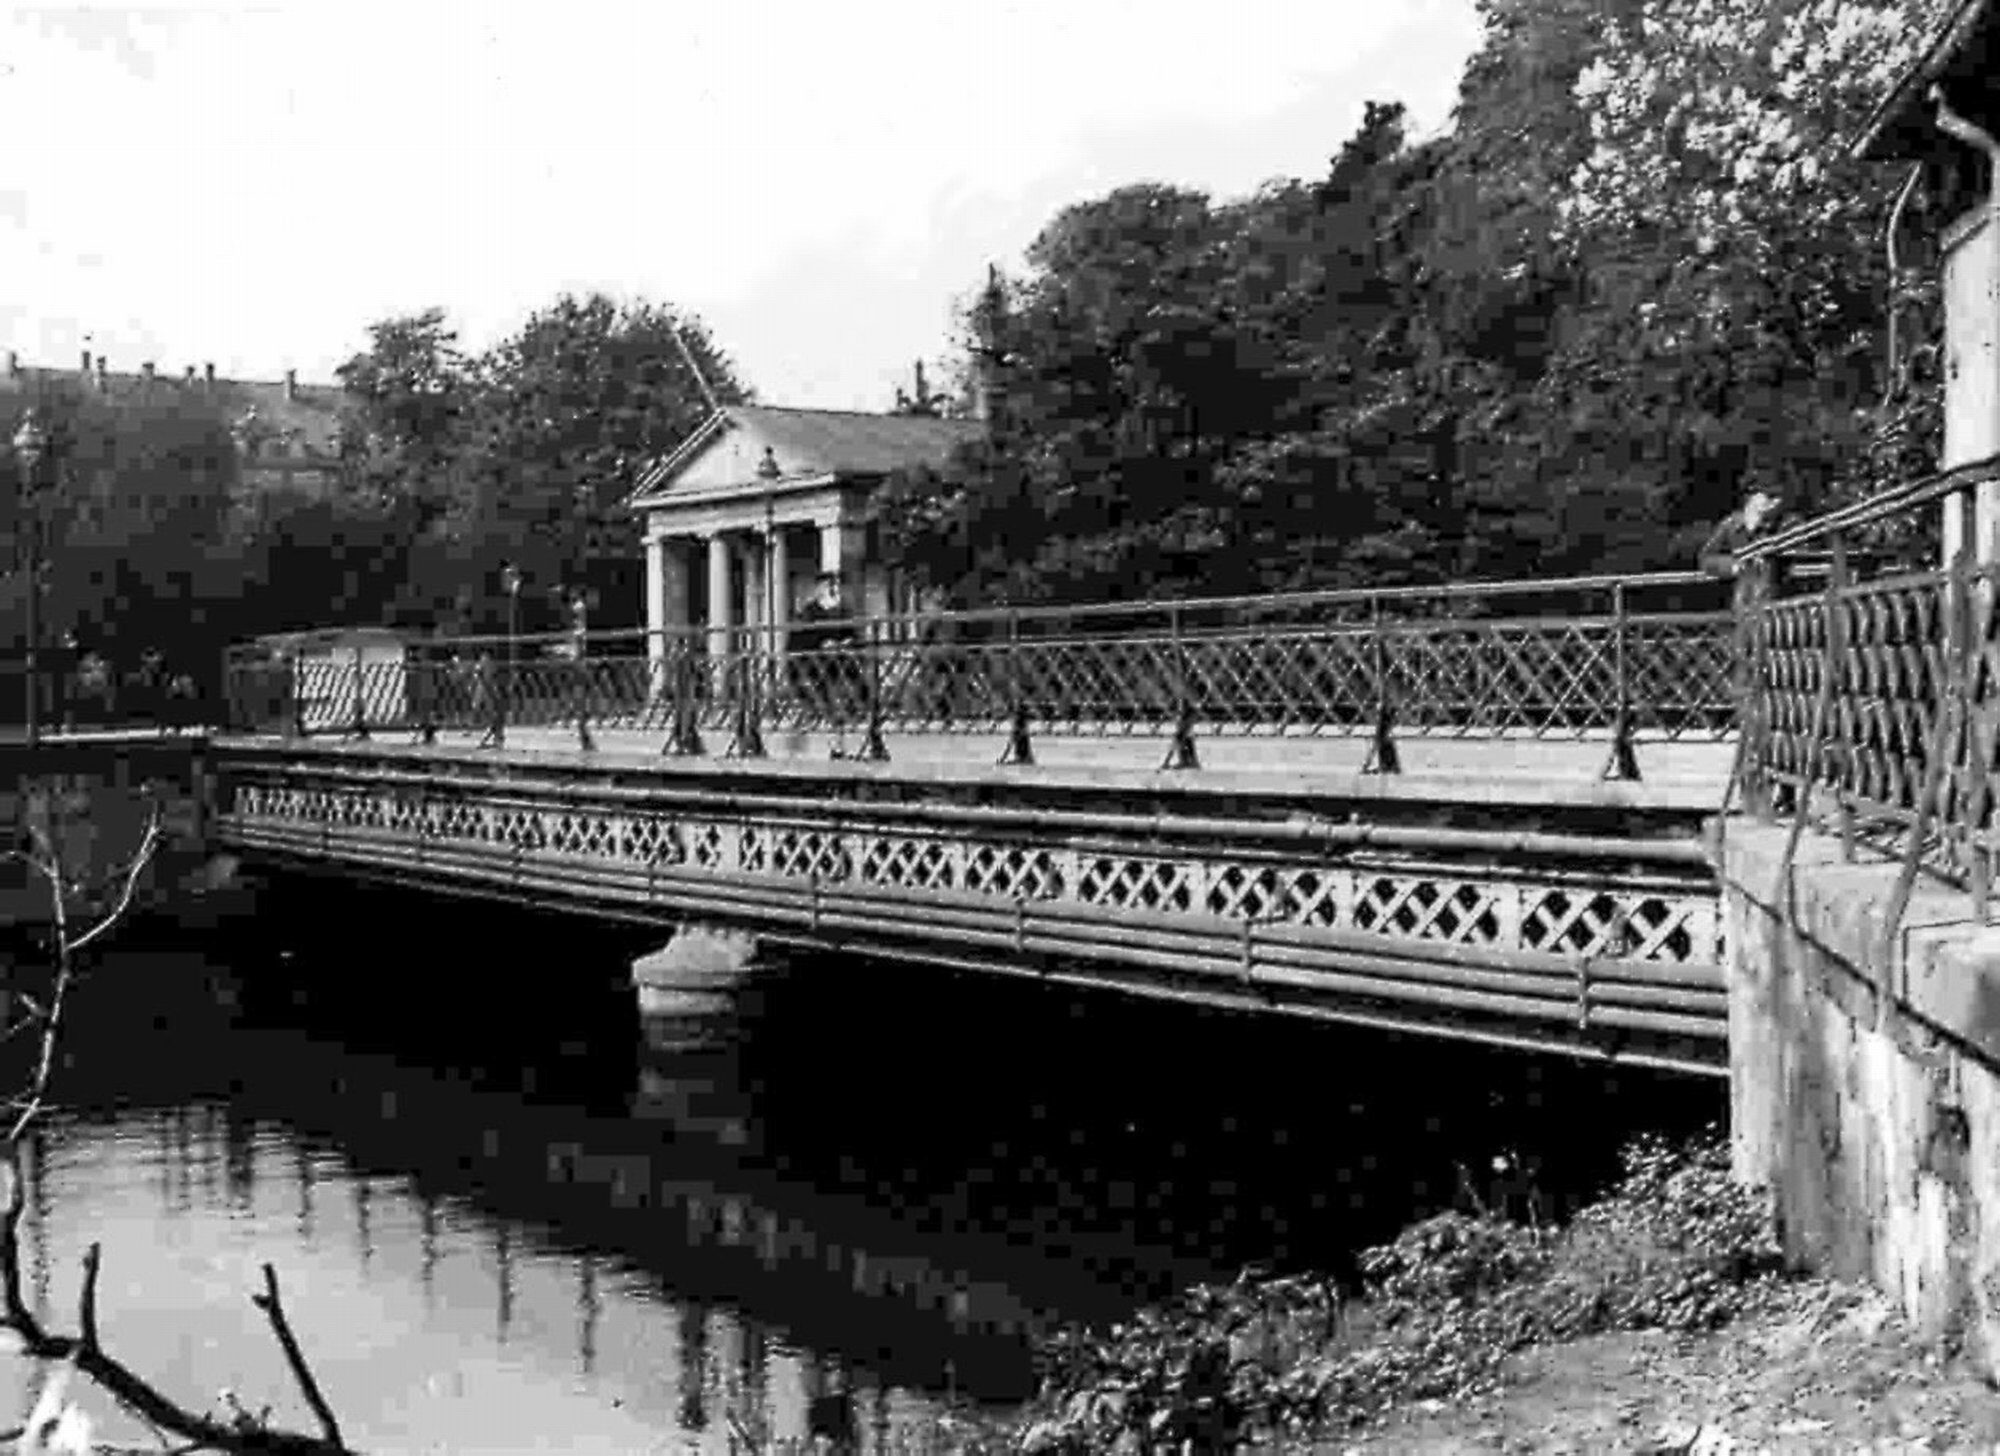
{"points": [[1469, 810]]}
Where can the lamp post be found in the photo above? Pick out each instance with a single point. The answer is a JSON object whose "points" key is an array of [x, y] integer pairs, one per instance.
{"points": [[30, 445], [768, 472], [510, 582]]}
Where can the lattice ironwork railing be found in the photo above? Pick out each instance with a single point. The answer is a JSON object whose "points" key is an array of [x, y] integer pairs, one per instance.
{"points": [[1625, 657], [1872, 686], [1580, 911]]}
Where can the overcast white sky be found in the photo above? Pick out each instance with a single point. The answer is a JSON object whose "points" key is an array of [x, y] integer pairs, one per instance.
{"points": [[821, 182]]}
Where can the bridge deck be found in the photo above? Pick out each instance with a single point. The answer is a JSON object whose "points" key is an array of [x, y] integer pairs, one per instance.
{"points": [[1554, 773]]}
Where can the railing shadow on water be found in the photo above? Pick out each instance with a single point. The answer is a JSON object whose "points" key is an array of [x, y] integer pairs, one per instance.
{"points": [[1867, 661], [1623, 658]]}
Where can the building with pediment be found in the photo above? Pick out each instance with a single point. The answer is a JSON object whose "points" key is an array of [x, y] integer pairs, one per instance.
{"points": [[746, 514]]}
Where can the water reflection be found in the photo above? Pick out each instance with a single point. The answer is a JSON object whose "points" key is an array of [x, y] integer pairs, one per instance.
{"points": [[528, 1223]]}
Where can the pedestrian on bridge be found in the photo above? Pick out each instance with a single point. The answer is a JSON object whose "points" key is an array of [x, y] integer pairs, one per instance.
{"points": [[1737, 530], [146, 688], [823, 656]]}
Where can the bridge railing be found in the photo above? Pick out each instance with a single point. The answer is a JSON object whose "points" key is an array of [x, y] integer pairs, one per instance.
{"points": [[1625, 657], [1872, 683]]}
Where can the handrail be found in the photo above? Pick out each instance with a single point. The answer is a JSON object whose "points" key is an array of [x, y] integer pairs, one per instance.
{"points": [[1896, 501], [1161, 606]]}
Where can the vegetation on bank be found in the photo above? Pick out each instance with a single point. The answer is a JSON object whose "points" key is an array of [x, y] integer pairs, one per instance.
{"points": [[1674, 1245]]}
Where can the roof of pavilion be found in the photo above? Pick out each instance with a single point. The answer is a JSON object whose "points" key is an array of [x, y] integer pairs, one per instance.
{"points": [[814, 443]]}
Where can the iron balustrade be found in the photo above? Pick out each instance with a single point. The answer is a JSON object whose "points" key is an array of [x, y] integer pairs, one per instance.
{"points": [[1627, 657], [1869, 687]]}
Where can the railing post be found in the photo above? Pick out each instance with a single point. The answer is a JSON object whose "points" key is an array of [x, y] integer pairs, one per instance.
{"points": [[1019, 750], [580, 666], [1983, 738], [1383, 757], [1832, 659], [1749, 773], [1181, 752], [295, 702], [748, 739], [360, 696], [1949, 716], [1622, 763], [495, 678], [873, 749], [424, 673]]}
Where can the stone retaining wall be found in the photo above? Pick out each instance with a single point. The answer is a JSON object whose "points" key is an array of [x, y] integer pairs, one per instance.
{"points": [[1865, 1076]]}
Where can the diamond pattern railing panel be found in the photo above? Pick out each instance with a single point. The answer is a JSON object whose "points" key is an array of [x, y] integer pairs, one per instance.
{"points": [[1592, 916], [1507, 659]]}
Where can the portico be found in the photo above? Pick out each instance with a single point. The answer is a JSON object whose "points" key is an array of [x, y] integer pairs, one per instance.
{"points": [[756, 504]]}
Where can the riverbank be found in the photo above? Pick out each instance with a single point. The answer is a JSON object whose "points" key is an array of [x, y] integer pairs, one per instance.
{"points": [[1659, 1319]]}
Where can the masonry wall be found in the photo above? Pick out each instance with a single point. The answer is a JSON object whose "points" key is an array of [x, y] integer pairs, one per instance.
{"points": [[1865, 1076]]}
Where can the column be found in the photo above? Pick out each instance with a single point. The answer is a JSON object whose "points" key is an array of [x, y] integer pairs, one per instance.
{"points": [[840, 553], [719, 618], [656, 611], [666, 605]]}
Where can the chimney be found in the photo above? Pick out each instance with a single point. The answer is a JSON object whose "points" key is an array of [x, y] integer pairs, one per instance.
{"points": [[86, 361], [188, 378], [103, 373], [146, 370], [13, 364], [208, 377], [291, 384]]}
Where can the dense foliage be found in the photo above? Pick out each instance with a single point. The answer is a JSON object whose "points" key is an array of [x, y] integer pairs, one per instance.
{"points": [[524, 454], [1638, 276], [133, 502], [1675, 1245]]}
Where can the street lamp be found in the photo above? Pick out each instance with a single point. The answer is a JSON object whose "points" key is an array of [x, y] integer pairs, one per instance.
{"points": [[30, 445], [510, 582], [768, 472]]}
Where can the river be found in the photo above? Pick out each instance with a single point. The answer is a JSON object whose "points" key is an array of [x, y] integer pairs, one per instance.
{"points": [[508, 1217]]}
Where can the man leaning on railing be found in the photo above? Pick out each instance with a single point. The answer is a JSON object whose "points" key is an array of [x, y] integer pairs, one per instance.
{"points": [[1737, 530]]}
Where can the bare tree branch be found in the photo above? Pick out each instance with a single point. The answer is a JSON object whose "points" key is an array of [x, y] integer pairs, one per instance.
{"points": [[84, 1351], [268, 1302], [87, 1305]]}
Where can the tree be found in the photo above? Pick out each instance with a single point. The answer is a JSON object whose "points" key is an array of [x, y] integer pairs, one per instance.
{"points": [[1742, 245], [132, 509], [565, 416]]}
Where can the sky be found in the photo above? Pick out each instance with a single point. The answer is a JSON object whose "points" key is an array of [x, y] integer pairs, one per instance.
{"points": [[823, 184]]}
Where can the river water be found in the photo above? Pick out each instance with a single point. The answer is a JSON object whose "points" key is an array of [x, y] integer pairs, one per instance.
{"points": [[509, 1217]]}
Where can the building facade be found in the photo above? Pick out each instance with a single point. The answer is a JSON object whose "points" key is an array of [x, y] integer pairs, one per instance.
{"points": [[288, 435], [746, 515]]}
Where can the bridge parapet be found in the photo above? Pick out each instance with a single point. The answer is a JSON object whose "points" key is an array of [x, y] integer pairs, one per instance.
{"points": [[1871, 686], [1605, 945]]}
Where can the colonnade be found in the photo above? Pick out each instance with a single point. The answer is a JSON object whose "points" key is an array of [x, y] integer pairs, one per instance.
{"points": [[760, 562]]}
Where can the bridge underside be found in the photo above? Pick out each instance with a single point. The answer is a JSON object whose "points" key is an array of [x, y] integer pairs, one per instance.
{"points": [[1238, 891]]}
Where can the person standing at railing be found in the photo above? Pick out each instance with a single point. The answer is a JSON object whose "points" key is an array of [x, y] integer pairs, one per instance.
{"points": [[95, 688], [146, 688], [821, 651], [1737, 530]]}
